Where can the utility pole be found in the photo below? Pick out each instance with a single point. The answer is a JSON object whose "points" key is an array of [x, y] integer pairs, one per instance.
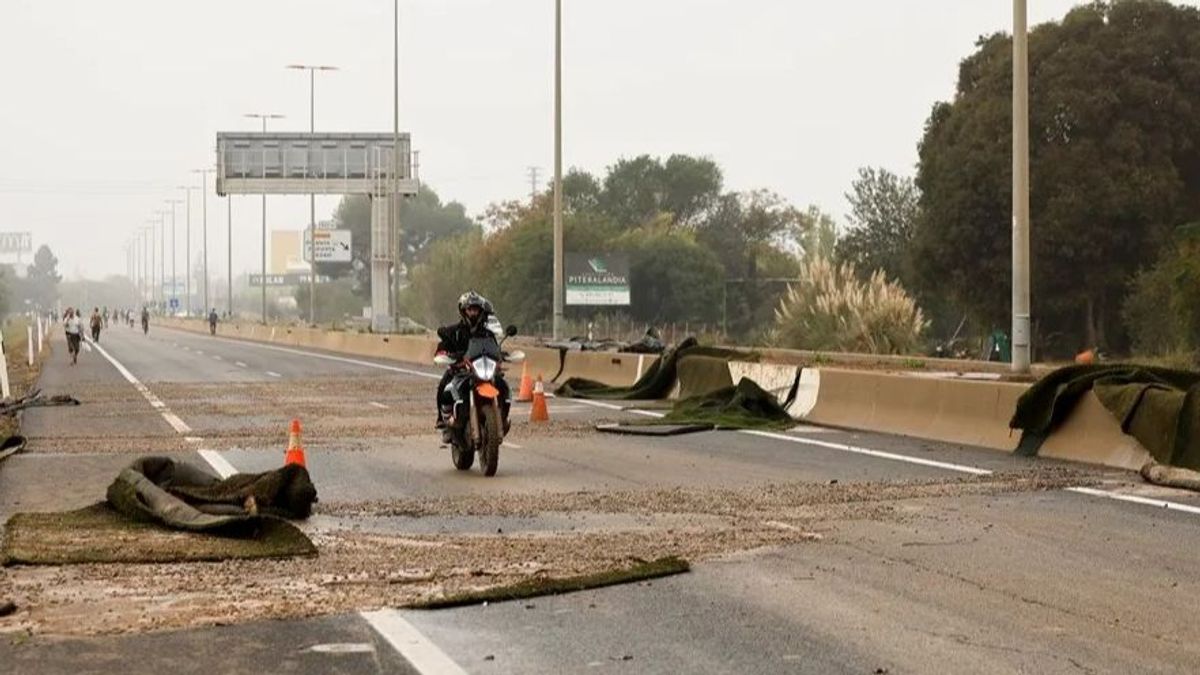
{"points": [[264, 117], [533, 184], [1020, 206], [394, 211], [312, 199], [204, 232], [174, 251], [187, 252], [558, 225]]}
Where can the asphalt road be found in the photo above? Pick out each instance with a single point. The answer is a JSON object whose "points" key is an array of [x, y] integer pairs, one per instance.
{"points": [[1022, 581]]}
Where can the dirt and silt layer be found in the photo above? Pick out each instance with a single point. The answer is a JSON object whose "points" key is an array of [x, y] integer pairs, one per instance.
{"points": [[391, 553]]}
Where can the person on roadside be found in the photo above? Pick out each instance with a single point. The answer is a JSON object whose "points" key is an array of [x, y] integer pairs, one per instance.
{"points": [[212, 321], [145, 320], [73, 327], [96, 323]]}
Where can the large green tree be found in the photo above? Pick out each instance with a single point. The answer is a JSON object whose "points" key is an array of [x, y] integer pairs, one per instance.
{"points": [[41, 280], [424, 219], [1115, 164], [635, 191], [883, 214]]}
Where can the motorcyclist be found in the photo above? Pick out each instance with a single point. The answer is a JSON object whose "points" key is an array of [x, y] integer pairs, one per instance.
{"points": [[477, 319]]}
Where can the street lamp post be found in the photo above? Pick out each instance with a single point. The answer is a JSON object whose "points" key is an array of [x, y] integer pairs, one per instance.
{"points": [[187, 254], [264, 117], [394, 211], [204, 232], [1020, 205], [312, 199], [174, 251], [229, 243], [558, 225], [148, 263]]}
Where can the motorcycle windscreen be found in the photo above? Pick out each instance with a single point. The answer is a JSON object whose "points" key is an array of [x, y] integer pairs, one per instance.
{"points": [[487, 390], [483, 346]]}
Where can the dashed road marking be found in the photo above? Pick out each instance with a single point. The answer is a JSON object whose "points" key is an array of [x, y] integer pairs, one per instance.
{"points": [[218, 357], [1160, 503], [219, 464], [155, 402], [273, 373], [949, 466], [379, 405], [239, 364], [420, 652], [514, 446]]}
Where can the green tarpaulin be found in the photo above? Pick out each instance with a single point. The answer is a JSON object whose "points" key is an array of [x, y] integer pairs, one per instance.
{"points": [[1160, 407]]}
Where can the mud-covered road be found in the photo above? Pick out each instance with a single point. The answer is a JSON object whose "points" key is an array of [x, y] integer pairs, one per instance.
{"points": [[814, 550]]}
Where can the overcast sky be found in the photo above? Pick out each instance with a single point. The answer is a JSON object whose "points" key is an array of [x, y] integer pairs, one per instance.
{"points": [[105, 106]]}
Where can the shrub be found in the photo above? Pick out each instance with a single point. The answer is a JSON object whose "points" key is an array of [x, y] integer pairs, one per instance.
{"points": [[831, 309]]}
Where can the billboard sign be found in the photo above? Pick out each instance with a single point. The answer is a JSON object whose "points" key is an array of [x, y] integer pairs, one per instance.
{"points": [[332, 246], [256, 280], [597, 279], [16, 242]]}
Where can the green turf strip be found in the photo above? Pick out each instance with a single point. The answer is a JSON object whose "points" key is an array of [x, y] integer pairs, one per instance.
{"points": [[532, 588], [99, 534]]}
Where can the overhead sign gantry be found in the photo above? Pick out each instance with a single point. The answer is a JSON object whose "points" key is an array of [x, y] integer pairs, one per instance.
{"points": [[293, 163]]}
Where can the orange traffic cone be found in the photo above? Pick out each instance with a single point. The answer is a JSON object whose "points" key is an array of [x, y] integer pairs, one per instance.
{"points": [[526, 392], [539, 412], [295, 451]]}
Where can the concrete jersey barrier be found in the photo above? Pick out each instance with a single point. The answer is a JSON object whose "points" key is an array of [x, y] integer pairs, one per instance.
{"points": [[947, 409]]}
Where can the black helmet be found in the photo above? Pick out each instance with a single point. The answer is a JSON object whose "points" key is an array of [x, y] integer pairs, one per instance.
{"points": [[473, 299]]}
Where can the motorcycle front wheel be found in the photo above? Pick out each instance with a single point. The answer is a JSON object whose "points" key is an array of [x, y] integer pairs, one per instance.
{"points": [[463, 458], [489, 453]]}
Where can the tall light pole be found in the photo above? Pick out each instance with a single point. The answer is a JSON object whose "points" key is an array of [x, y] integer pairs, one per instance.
{"points": [[394, 211], [264, 117], [229, 244], [558, 225], [148, 263], [187, 239], [1020, 205], [204, 232], [174, 251], [312, 199]]}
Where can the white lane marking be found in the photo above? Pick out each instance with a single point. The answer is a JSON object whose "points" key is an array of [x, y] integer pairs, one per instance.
{"points": [[1160, 503], [87, 347], [961, 468], [199, 352], [514, 446], [219, 464], [424, 656], [156, 403], [273, 373], [239, 364], [379, 405], [218, 357], [342, 648], [610, 406]]}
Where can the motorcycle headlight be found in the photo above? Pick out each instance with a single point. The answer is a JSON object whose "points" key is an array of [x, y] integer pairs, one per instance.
{"points": [[485, 368]]}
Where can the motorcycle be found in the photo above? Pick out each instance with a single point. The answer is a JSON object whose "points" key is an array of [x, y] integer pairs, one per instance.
{"points": [[476, 425]]}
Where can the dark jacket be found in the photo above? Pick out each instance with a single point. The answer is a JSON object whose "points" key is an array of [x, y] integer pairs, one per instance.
{"points": [[454, 339]]}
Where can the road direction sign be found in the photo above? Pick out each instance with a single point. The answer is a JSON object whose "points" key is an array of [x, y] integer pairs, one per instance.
{"points": [[333, 246]]}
